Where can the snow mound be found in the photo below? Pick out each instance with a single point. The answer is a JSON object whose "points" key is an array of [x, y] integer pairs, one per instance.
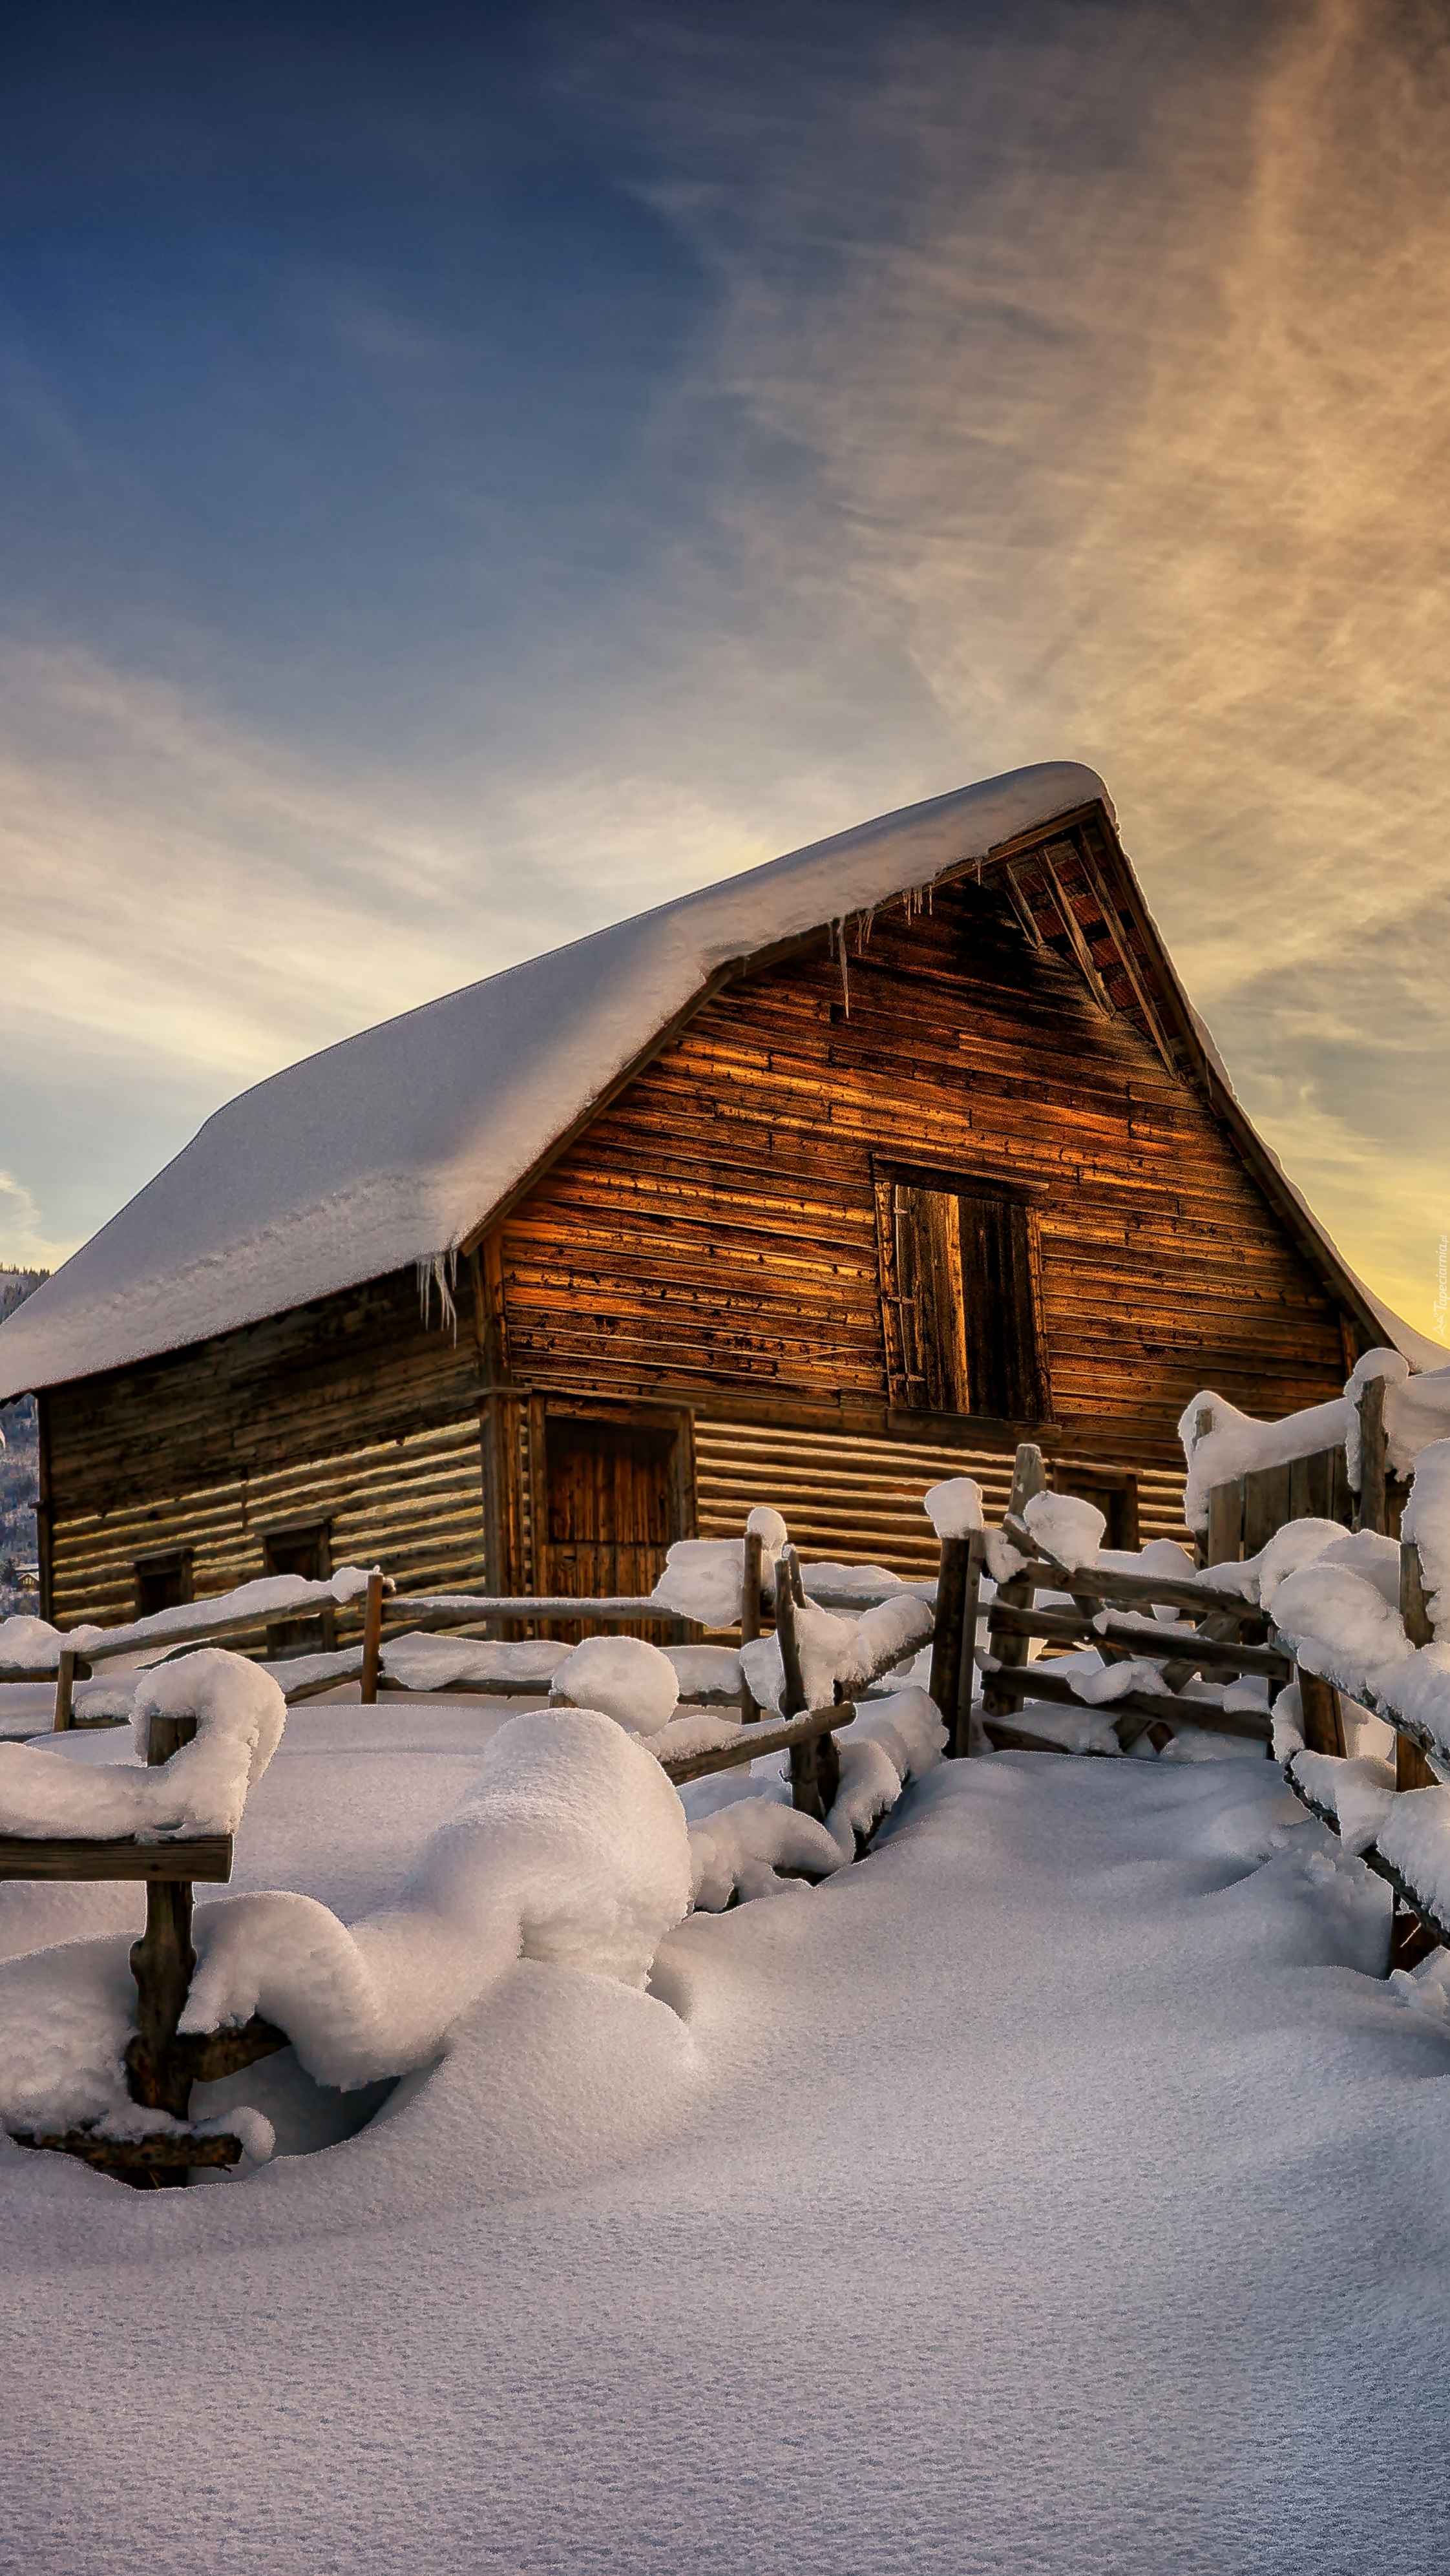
{"points": [[737, 1853], [626, 1677], [240, 1714], [890, 1743], [1358, 1792], [572, 1848], [954, 1508], [421, 1662], [1066, 1527], [1415, 1840]]}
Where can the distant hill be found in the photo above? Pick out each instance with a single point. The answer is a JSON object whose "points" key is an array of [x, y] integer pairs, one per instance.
{"points": [[19, 1471]]}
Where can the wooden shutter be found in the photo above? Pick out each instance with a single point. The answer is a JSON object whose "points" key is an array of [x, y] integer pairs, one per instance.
{"points": [[1001, 1322], [959, 1301], [929, 1285]]}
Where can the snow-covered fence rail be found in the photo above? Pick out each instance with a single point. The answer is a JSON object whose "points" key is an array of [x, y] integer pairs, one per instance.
{"points": [[1364, 1735], [1147, 1670], [1350, 1460], [31, 1650], [208, 1728]]}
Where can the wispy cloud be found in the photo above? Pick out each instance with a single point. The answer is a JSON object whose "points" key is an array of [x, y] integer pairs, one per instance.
{"points": [[1112, 356], [1064, 381]]}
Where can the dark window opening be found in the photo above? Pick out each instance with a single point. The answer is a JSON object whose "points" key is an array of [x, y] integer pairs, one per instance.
{"points": [[1115, 1492], [961, 1309], [305, 1550], [163, 1582]]}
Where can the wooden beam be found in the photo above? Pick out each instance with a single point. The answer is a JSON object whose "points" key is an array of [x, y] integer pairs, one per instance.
{"points": [[1056, 1692], [808, 1729], [138, 2160], [1082, 954], [1123, 952], [1021, 906], [1067, 1627], [65, 1684], [948, 1643], [372, 1640], [1373, 1456], [959, 1719], [1323, 1727], [750, 1589], [1412, 1770], [202, 1856], [1176, 1592]]}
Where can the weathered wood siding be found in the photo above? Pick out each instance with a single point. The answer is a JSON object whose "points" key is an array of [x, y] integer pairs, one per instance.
{"points": [[413, 1503], [716, 1228], [848, 1497]]}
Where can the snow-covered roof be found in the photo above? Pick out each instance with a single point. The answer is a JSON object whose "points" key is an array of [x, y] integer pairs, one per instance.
{"points": [[393, 1146]]}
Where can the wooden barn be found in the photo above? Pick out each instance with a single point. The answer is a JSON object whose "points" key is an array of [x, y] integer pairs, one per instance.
{"points": [[809, 1188]]}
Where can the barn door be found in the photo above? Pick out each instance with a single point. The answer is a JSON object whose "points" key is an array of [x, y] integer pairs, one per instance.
{"points": [[612, 1503]]}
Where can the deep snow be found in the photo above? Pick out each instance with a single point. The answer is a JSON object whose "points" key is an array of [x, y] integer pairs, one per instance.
{"points": [[1057, 2190]]}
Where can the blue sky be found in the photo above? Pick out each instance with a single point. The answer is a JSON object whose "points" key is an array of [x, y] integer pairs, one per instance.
{"points": [[467, 473]]}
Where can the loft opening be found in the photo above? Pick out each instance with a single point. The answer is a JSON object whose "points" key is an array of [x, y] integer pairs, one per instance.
{"points": [[961, 1294]]}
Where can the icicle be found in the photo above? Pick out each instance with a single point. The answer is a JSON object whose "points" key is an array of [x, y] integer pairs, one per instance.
{"points": [[438, 1270]]}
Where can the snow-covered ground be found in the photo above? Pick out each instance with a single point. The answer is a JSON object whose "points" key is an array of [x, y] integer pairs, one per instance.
{"points": [[1059, 2189]]}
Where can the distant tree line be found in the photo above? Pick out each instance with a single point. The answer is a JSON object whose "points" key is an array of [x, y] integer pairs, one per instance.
{"points": [[19, 1470]]}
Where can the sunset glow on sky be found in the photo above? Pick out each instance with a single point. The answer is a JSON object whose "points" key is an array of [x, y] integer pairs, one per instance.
{"points": [[471, 473]]}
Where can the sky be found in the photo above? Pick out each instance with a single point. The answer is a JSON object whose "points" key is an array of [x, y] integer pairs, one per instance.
{"points": [[468, 473]]}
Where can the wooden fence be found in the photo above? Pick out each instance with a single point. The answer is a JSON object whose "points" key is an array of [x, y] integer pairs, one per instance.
{"points": [[1249, 1510]]}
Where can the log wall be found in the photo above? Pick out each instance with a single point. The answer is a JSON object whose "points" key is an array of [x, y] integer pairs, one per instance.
{"points": [[413, 1503]]}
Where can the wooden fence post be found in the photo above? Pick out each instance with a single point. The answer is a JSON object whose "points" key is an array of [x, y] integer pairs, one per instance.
{"points": [[1202, 1425], [1412, 1771], [1323, 1718], [750, 1583], [1001, 1698], [65, 1683], [163, 1963], [793, 1696], [1226, 1522], [960, 1720], [815, 1768], [1373, 1457], [947, 1632], [372, 1639]]}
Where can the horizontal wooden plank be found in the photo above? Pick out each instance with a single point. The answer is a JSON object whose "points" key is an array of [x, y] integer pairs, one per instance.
{"points": [[201, 1857], [757, 1740], [1038, 1682]]}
